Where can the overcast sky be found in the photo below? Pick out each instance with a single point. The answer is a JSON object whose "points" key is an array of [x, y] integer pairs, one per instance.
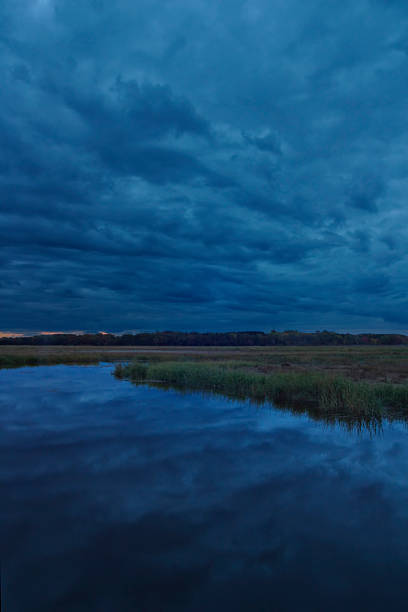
{"points": [[207, 165]]}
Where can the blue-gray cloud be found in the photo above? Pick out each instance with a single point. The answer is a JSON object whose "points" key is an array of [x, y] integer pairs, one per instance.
{"points": [[207, 165]]}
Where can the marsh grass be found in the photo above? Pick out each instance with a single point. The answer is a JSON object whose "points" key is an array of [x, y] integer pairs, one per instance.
{"points": [[320, 395], [18, 361], [55, 358], [16, 357]]}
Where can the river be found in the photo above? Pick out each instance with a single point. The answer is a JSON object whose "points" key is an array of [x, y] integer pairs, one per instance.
{"points": [[128, 498]]}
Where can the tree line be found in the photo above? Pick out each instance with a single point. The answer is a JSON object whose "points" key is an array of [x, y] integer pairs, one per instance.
{"points": [[174, 338]]}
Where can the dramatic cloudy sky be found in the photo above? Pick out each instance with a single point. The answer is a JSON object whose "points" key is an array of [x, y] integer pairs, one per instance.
{"points": [[198, 164]]}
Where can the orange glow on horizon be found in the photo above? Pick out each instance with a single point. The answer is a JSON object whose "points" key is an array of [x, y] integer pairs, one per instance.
{"points": [[10, 335], [7, 334]]}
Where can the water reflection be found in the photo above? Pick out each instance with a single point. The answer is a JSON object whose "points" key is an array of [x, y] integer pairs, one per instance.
{"points": [[117, 497], [353, 423]]}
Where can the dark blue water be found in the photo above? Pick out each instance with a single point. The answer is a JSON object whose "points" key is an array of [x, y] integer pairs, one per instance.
{"points": [[122, 498]]}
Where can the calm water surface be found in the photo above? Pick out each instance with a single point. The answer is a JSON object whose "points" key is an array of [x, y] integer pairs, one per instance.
{"points": [[121, 498]]}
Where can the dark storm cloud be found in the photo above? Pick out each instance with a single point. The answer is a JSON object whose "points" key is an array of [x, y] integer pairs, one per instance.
{"points": [[206, 165]]}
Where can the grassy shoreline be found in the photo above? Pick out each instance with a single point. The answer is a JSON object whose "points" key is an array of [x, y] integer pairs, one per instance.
{"points": [[324, 395], [327, 382]]}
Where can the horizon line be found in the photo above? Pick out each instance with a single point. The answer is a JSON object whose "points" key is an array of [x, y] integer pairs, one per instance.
{"points": [[30, 333]]}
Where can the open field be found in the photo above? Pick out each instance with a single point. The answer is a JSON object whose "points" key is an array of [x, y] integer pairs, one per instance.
{"points": [[386, 364], [19, 356]]}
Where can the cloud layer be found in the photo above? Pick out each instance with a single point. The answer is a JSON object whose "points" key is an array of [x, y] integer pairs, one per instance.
{"points": [[206, 165]]}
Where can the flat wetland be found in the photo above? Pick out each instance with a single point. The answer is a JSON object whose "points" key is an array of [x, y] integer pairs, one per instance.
{"points": [[351, 384]]}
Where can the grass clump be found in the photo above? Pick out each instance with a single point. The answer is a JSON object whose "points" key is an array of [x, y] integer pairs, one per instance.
{"points": [[137, 372]]}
